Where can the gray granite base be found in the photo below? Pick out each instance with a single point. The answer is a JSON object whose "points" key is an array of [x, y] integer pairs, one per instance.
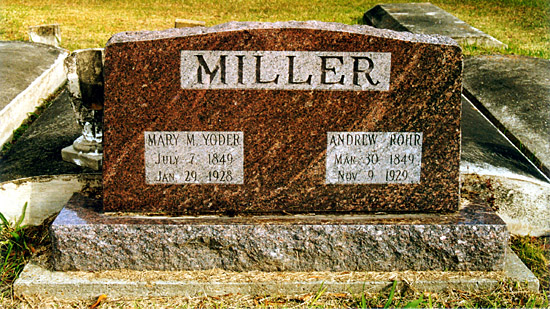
{"points": [[474, 238]]}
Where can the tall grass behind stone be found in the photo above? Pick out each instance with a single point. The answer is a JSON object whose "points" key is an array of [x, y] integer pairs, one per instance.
{"points": [[17, 245]]}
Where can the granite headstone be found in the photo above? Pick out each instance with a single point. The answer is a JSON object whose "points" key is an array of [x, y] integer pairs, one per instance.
{"points": [[244, 119], [288, 117]]}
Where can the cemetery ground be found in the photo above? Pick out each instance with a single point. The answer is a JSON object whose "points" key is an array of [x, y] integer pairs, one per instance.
{"points": [[522, 25], [18, 244]]}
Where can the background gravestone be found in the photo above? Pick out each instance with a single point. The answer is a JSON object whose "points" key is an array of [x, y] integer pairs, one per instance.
{"points": [[427, 18], [46, 34], [287, 117], [513, 92]]}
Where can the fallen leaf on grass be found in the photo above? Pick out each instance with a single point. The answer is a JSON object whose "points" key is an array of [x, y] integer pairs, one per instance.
{"points": [[339, 295], [99, 300], [304, 297]]}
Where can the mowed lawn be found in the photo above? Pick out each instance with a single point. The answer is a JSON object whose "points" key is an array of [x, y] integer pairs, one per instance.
{"points": [[521, 24]]}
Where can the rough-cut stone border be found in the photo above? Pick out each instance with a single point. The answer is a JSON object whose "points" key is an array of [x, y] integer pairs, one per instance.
{"points": [[474, 238]]}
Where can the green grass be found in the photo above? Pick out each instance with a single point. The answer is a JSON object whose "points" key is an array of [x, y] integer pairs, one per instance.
{"points": [[14, 250], [521, 24], [17, 245], [535, 253]]}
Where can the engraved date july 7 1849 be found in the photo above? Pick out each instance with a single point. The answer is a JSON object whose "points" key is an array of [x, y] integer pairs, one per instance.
{"points": [[194, 157]]}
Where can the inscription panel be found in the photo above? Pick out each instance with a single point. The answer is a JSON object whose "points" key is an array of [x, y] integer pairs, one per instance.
{"points": [[293, 70], [373, 157], [202, 157]]}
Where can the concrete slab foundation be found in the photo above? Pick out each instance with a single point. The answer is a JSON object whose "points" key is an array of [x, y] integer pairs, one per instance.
{"points": [[37, 279]]}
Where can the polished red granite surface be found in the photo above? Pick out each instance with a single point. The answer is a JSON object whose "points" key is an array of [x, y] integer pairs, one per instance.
{"points": [[285, 131]]}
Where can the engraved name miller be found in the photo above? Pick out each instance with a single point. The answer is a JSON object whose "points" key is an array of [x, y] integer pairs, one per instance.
{"points": [[293, 70]]}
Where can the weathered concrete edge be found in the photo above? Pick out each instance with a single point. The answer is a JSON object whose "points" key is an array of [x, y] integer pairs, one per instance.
{"points": [[484, 40], [136, 36], [36, 280], [516, 271], [45, 195], [25, 102], [523, 203]]}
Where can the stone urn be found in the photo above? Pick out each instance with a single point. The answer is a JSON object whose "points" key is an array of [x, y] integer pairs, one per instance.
{"points": [[85, 85]]}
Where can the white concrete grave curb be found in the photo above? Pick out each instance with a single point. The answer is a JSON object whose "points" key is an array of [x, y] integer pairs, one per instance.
{"points": [[13, 115], [45, 195]]}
